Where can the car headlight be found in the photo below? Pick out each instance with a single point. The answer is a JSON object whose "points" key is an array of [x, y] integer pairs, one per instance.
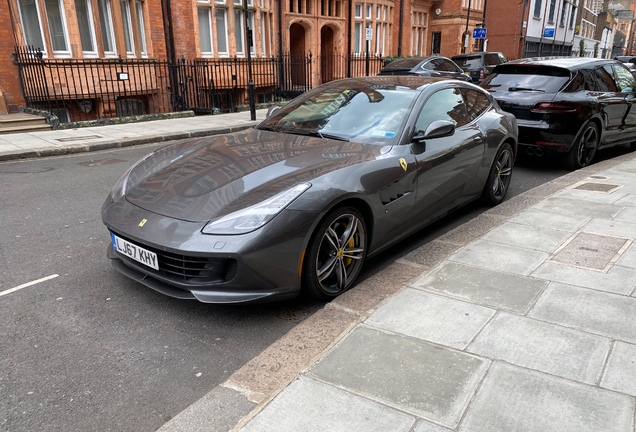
{"points": [[254, 217]]}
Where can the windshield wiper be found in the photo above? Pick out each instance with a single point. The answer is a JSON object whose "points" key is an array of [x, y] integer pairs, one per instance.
{"points": [[524, 89], [316, 134]]}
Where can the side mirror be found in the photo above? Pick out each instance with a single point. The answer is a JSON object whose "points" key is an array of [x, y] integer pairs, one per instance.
{"points": [[438, 129], [272, 110]]}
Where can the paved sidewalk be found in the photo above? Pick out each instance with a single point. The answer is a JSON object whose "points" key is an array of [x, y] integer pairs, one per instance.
{"points": [[530, 328], [523, 319], [64, 141]]}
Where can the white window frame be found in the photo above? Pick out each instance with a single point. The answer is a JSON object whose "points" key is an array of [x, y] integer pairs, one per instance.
{"points": [[110, 30], [131, 33], [383, 38], [207, 54], [384, 13], [356, 15], [378, 12], [91, 28], [263, 36], [37, 8], [357, 50], [67, 53], [378, 28], [219, 1], [225, 33], [369, 13], [242, 32], [143, 49]]}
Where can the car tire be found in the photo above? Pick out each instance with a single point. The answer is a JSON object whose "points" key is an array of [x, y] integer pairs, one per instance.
{"points": [[335, 256], [500, 176], [582, 152]]}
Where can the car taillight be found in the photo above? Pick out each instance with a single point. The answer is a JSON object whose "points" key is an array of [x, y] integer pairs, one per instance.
{"points": [[481, 74], [554, 107]]}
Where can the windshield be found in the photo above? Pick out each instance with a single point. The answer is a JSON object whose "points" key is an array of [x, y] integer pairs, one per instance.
{"points": [[526, 78], [372, 114], [468, 62]]}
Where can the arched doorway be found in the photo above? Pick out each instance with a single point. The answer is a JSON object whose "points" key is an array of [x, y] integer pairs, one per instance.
{"points": [[297, 53], [327, 55]]}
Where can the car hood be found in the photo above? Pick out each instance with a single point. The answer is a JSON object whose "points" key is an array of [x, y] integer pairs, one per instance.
{"points": [[202, 179]]}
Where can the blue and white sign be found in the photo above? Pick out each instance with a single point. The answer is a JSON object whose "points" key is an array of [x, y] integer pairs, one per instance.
{"points": [[479, 33], [548, 32]]}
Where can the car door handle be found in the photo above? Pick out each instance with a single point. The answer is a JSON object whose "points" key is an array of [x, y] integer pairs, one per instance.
{"points": [[477, 139]]}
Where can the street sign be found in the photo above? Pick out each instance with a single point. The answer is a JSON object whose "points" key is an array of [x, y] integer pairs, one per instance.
{"points": [[369, 34], [479, 33], [548, 32]]}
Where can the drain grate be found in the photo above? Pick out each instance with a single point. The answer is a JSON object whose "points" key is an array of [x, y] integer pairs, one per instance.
{"points": [[598, 187], [87, 137], [591, 251], [100, 162]]}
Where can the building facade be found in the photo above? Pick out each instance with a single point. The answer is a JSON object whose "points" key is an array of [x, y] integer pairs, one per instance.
{"points": [[85, 47]]}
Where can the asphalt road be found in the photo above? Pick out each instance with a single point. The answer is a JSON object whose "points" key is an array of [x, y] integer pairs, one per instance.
{"points": [[90, 349]]}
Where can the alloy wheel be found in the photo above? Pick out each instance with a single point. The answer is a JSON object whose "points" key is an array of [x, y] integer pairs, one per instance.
{"points": [[587, 146], [503, 168], [340, 253]]}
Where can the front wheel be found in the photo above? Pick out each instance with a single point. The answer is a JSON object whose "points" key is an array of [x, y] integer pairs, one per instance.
{"points": [[335, 254], [500, 176], [583, 151]]}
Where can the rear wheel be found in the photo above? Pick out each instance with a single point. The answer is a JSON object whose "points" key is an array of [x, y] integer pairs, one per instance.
{"points": [[500, 176], [583, 151], [335, 254]]}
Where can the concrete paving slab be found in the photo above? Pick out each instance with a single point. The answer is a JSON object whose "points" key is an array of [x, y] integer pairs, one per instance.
{"points": [[629, 258], [311, 406], [503, 291], [594, 251], [423, 379], [541, 239], [620, 280], [6, 147], [543, 346], [431, 317], [620, 372], [500, 257], [516, 399], [219, 410], [514, 205], [552, 220], [629, 200], [579, 207], [628, 215], [591, 196], [473, 229], [597, 312], [423, 426], [612, 228]]}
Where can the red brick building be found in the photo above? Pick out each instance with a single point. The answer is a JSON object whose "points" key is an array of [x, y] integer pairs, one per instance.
{"points": [[137, 31]]}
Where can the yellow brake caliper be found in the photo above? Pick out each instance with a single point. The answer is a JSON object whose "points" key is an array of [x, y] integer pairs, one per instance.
{"points": [[351, 244]]}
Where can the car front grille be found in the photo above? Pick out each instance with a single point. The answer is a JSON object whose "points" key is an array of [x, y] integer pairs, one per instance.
{"points": [[187, 269]]}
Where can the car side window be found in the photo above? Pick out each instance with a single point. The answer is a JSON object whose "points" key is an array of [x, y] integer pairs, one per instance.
{"points": [[446, 104], [491, 59], [450, 66], [624, 79], [437, 65], [476, 103], [502, 59], [605, 79], [428, 66]]}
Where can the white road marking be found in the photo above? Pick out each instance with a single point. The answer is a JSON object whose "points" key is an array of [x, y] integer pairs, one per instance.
{"points": [[28, 284]]}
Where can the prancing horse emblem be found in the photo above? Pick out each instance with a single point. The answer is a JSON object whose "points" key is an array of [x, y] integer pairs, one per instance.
{"points": [[403, 163], [143, 221]]}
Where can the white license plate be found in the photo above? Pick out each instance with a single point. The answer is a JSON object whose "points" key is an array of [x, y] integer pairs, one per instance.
{"points": [[135, 252]]}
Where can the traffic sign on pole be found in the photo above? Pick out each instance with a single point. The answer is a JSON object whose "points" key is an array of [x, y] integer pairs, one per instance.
{"points": [[369, 34], [479, 33]]}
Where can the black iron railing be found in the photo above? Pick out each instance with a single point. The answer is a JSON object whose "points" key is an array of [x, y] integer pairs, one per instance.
{"points": [[90, 89], [337, 66]]}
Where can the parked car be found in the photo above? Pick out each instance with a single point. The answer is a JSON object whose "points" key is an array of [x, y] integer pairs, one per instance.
{"points": [[631, 67], [567, 106], [432, 66], [300, 201], [480, 64], [626, 59]]}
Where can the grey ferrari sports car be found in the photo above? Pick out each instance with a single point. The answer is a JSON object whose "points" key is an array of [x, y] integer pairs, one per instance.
{"points": [[297, 203]]}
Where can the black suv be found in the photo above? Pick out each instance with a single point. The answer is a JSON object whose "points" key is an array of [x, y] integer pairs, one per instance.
{"points": [[480, 64], [568, 106]]}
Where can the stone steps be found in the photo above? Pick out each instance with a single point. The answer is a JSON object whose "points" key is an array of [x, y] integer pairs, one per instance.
{"points": [[21, 122]]}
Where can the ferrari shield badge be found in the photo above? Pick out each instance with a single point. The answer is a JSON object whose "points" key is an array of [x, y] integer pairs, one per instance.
{"points": [[143, 221], [403, 163]]}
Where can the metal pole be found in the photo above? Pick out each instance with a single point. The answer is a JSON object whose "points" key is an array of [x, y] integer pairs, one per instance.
{"points": [[248, 43], [367, 59], [465, 41], [399, 47]]}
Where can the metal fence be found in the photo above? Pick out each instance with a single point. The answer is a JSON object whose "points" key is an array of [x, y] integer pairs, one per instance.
{"points": [[338, 66], [90, 89]]}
